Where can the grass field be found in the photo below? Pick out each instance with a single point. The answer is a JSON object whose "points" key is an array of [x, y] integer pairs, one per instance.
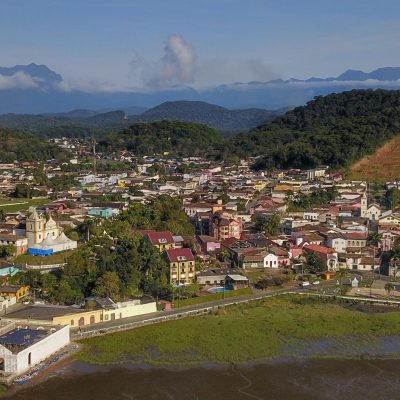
{"points": [[56, 258], [382, 166], [211, 297], [14, 205], [252, 331]]}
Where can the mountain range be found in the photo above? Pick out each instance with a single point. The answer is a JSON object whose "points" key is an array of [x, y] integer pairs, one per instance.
{"points": [[82, 121], [36, 89]]}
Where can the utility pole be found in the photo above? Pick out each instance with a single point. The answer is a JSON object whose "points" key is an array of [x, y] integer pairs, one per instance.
{"points": [[94, 154]]}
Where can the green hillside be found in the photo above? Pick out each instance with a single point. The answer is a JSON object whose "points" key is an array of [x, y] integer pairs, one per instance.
{"points": [[336, 130], [175, 137], [17, 146]]}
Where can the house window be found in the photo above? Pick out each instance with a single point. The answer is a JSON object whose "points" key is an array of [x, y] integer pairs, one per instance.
{"points": [[183, 270]]}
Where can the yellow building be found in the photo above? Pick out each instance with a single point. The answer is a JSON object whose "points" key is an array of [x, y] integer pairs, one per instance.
{"points": [[161, 240], [13, 291], [181, 265]]}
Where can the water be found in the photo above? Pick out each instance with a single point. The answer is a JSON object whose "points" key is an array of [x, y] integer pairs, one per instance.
{"points": [[219, 289], [281, 379]]}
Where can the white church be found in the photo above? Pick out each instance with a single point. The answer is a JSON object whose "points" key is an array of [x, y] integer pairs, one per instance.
{"points": [[44, 236]]}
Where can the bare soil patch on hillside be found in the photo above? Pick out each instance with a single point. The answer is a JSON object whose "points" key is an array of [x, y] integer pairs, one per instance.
{"points": [[383, 165]]}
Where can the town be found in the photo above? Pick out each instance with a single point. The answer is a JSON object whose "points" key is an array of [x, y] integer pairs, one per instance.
{"points": [[101, 237]]}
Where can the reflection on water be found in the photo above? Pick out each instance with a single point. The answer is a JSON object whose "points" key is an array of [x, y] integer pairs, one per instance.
{"points": [[311, 379]]}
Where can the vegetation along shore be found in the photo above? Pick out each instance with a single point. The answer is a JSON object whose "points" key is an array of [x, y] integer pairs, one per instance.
{"points": [[259, 330]]}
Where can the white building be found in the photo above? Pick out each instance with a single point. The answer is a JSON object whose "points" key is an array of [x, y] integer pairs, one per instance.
{"points": [[22, 347], [45, 236]]}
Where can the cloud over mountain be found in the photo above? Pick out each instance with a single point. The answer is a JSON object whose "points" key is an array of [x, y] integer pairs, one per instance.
{"points": [[176, 67], [18, 80]]}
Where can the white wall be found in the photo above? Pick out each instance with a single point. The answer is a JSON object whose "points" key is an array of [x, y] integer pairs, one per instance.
{"points": [[43, 349]]}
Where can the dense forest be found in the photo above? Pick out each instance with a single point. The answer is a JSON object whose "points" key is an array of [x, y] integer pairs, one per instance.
{"points": [[219, 118], [18, 146], [173, 137], [336, 130]]}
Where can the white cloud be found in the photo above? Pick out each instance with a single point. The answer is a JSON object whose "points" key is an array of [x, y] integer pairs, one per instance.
{"points": [[19, 80], [176, 67]]}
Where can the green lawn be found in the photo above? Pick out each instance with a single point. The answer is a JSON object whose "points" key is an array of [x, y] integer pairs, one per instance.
{"points": [[56, 258], [252, 331], [211, 297], [14, 205]]}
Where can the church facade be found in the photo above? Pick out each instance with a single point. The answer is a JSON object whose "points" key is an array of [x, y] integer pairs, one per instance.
{"points": [[44, 236]]}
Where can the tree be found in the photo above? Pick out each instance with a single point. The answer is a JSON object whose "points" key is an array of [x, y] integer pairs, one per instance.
{"points": [[107, 286], [66, 295], [341, 274], [270, 225], [2, 215], [389, 287], [7, 250], [393, 195], [313, 263]]}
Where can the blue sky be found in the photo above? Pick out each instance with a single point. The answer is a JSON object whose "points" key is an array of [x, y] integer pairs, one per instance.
{"points": [[139, 43]]}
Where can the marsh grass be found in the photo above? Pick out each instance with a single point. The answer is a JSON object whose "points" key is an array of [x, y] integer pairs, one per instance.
{"points": [[258, 330]]}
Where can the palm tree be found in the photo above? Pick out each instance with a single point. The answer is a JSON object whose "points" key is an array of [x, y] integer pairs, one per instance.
{"points": [[374, 238]]}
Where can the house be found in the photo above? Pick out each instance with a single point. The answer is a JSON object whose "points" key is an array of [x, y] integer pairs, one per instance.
{"points": [[182, 266], [336, 241], [326, 254], [23, 347], [20, 243], [356, 239], [161, 240], [208, 244], [14, 291], [359, 262], [214, 276], [226, 225], [103, 212], [236, 282]]}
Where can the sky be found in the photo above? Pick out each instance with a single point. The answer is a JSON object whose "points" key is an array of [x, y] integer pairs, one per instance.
{"points": [[127, 44]]}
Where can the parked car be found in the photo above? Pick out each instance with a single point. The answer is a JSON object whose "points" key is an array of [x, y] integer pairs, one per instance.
{"points": [[316, 282], [304, 284]]}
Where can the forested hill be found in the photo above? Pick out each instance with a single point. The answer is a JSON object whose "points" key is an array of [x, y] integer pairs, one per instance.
{"points": [[216, 117], [173, 137], [336, 130], [17, 146]]}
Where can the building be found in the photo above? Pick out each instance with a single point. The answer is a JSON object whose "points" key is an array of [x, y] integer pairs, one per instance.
{"points": [[20, 243], [23, 347], [76, 317], [326, 254], [182, 266], [14, 291], [103, 212], [44, 236], [161, 240], [209, 244], [226, 225]]}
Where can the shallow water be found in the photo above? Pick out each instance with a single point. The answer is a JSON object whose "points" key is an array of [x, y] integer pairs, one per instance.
{"points": [[282, 379]]}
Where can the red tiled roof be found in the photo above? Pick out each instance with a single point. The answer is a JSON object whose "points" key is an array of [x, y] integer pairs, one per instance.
{"points": [[157, 238], [319, 249], [355, 235], [175, 255]]}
